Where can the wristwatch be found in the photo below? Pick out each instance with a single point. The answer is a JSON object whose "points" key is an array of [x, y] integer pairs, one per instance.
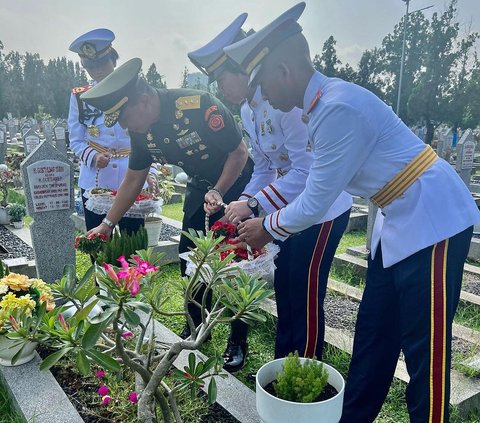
{"points": [[108, 222], [252, 204]]}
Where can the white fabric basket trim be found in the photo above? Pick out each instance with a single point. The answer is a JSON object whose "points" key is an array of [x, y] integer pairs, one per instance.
{"points": [[101, 204], [261, 266]]}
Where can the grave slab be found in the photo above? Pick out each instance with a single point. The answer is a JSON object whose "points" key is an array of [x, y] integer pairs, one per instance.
{"points": [[36, 394]]}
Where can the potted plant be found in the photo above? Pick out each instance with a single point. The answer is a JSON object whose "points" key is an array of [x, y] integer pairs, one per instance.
{"points": [[23, 302], [153, 221], [299, 389], [16, 212]]}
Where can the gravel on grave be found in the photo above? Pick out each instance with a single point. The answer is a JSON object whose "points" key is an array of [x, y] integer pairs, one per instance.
{"points": [[341, 313], [14, 245], [471, 283], [168, 231]]}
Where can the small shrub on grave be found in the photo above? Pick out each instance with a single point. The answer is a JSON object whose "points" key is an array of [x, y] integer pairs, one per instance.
{"points": [[16, 212], [300, 382]]}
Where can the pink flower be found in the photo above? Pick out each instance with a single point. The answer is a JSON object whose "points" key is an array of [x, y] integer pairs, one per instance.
{"points": [[106, 399], [63, 323], [127, 334], [111, 273], [100, 373], [123, 262], [144, 266], [134, 287], [103, 390], [133, 398]]}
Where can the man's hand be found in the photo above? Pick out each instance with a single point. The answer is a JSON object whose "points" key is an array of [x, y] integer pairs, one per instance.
{"points": [[101, 160], [251, 231], [212, 198], [237, 211], [101, 229], [153, 185]]}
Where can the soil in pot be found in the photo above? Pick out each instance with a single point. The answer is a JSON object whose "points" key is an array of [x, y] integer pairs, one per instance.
{"points": [[328, 392]]}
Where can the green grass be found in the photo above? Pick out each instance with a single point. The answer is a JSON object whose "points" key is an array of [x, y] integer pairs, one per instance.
{"points": [[173, 211], [351, 239], [468, 315], [7, 413]]}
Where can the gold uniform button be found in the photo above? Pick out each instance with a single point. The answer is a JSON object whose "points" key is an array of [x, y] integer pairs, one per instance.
{"points": [[166, 140], [205, 157], [180, 163]]}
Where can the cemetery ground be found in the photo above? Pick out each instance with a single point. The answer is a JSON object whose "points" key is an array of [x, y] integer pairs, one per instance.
{"points": [[340, 314]]}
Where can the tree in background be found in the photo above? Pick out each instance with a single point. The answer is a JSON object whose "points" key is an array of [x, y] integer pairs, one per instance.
{"points": [[184, 83], [327, 63], [154, 78]]}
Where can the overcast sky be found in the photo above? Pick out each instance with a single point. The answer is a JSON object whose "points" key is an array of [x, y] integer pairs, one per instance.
{"points": [[163, 31]]}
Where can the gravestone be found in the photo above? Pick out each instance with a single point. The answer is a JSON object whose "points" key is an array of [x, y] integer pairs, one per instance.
{"points": [[3, 128], [3, 146], [465, 155], [30, 141], [47, 131], [11, 129], [60, 138], [444, 145], [48, 186], [25, 128]]}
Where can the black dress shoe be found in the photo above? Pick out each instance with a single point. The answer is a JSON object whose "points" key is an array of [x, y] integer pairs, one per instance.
{"points": [[235, 355]]}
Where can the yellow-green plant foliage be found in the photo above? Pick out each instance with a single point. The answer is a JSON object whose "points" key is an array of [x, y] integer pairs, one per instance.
{"points": [[122, 244], [300, 382]]}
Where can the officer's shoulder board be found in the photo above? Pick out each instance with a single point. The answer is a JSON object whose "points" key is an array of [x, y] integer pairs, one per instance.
{"points": [[80, 90], [189, 102]]}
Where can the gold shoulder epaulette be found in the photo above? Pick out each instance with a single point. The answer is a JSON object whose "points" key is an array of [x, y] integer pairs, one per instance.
{"points": [[190, 102], [79, 90]]}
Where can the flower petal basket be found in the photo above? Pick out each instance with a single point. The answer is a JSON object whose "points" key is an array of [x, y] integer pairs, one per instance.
{"points": [[100, 200], [259, 267], [275, 410], [256, 263]]}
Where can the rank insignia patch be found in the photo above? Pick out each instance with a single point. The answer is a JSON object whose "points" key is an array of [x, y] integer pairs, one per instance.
{"points": [[215, 122], [209, 111], [188, 140]]}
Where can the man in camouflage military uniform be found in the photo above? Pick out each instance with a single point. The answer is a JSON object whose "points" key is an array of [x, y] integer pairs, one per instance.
{"points": [[188, 128]]}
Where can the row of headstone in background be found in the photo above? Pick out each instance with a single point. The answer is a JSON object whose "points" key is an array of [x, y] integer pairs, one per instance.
{"points": [[31, 137]]}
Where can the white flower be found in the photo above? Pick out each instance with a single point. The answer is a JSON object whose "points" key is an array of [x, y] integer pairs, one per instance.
{"points": [[3, 167]]}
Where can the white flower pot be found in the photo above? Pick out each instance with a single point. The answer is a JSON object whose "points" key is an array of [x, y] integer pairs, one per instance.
{"points": [[7, 352], [17, 225], [275, 410], [153, 226]]}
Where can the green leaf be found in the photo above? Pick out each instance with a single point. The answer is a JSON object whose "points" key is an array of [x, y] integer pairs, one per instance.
{"points": [[132, 318], [105, 315], [93, 333], [53, 358], [70, 278], [191, 363], [212, 391], [104, 360], [17, 354], [83, 313], [83, 363]]}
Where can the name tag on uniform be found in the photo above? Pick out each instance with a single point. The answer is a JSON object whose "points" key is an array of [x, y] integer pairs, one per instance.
{"points": [[188, 140]]}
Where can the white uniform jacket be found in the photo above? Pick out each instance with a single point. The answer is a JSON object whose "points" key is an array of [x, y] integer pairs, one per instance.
{"points": [[282, 157], [114, 138], [359, 146]]}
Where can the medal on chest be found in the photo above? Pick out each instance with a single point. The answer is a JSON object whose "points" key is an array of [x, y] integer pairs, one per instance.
{"points": [[93, 131]]}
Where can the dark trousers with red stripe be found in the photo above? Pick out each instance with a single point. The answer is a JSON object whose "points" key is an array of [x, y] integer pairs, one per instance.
{"points": [[407, 307], [300, 284]]}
